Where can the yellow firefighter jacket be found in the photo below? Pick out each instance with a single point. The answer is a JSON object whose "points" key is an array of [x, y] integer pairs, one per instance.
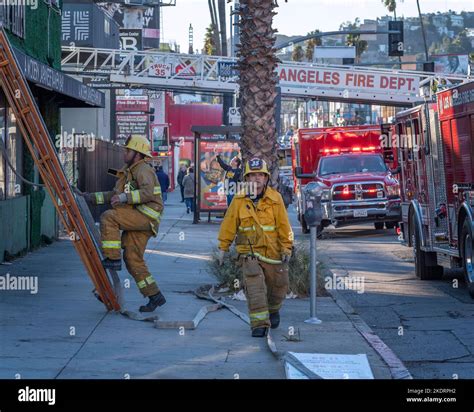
{"points": [[141, 186], [265, 227]]}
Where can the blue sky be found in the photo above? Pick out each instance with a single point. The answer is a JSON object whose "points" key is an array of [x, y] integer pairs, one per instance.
{"points": [[296, 16]]}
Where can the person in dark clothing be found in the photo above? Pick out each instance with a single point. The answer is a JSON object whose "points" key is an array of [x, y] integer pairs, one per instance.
{"points": [[182, 172], [164, 180], [233, 175]]}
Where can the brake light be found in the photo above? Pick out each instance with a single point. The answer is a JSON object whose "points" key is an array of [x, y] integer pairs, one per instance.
{"points": [[345, 191], [356, 149], [372, 190], [332, 150], [367, 149]]}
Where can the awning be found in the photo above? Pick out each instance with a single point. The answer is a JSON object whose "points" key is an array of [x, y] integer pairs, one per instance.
{"points": [[76, 93]]}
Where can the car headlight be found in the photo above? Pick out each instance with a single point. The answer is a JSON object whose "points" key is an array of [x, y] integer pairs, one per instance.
{"points": [[393, 190], [326, 194]]}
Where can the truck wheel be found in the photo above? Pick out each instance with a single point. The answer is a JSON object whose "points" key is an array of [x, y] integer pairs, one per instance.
{"points": [[422, 270], [390, 225], [467, 250], [304, 226], [378, 225]]}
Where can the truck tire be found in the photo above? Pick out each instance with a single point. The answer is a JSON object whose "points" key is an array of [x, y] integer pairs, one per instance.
{"points": [[467, 251], [422, 270], [378, 225]]}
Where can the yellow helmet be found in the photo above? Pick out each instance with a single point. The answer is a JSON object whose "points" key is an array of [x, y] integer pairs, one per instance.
{"points": [[139, 143], [256, 165]]}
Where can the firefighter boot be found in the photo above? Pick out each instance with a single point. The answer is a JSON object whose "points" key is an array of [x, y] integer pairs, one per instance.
{"points": [[112, 264], [275, 320], [259, 332], [154, 302]]}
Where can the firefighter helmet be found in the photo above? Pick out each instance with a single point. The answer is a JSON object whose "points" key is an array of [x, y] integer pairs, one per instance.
{"points": [[139, 143], [256, 165]]}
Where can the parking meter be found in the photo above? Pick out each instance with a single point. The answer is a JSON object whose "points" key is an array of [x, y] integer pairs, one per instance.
{"points": [[313, 211], [313, 217]]}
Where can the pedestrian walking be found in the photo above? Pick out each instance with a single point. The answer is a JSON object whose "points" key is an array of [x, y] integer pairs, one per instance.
{"points": [[188, 183], [181, 174], [258, 222], [164, 180]]}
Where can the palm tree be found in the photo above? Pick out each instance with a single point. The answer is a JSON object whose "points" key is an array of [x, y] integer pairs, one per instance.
{"points": [[311, 44], [391, 6], [258, 79]]}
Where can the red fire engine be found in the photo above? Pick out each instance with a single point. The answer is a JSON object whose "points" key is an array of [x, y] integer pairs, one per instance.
{"points": [[436, 154], [354, 174]]}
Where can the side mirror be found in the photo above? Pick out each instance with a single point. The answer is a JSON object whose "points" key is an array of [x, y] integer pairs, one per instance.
{"points": [[300, 175], [396, 171]]}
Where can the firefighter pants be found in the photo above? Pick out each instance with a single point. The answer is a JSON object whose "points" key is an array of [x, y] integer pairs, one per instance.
{"points": [[136, 231], [265, 287]]}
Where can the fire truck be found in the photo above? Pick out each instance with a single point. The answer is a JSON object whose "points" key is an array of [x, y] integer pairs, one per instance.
{"points": [[354, 173], [436, 155]]}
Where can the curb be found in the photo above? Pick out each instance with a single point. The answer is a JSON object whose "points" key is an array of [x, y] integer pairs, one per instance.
{"points": [[397, 368]]}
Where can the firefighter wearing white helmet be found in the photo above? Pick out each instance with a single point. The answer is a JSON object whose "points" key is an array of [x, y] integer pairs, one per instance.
{"points": [[136, 211], [258, 223]]}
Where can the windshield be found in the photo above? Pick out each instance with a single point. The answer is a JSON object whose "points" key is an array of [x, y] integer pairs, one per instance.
{"points": [[351, 164]]}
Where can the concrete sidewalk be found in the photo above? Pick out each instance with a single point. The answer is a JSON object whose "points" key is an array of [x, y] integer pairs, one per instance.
{"points": [[64, 332]]}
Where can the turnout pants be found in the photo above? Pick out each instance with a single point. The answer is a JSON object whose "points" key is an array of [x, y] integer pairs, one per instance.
{"points": [[136, 231], [265, 287]]}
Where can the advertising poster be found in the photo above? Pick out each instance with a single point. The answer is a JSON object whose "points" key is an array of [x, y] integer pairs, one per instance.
{"points": [[130, 124], [211, 175], [451, 63]]}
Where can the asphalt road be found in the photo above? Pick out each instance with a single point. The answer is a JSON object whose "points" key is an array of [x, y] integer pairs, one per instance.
{"points": [[428, 324]]}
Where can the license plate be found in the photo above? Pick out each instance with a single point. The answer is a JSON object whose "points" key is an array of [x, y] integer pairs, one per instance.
{"points": [[360, 213]]}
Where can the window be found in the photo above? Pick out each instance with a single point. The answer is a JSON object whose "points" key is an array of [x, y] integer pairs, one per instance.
{"points": [[13, 18]]}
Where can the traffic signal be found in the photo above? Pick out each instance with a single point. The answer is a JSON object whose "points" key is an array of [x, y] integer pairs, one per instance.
{"points": [[429, 67], [395, 40], [152, 112]]}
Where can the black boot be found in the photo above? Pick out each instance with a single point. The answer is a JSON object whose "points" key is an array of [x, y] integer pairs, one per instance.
{"points": [[154, 302], [275, 320], [112, 264], [259, 332]]}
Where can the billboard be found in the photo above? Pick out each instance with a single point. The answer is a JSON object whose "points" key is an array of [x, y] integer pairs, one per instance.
{"points": [[145, 18], [211, 175], [132, 104], [451, 64], [127, 124]]}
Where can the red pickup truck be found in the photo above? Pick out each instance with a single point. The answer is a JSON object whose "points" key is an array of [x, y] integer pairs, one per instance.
{"points": [[355, 174]]}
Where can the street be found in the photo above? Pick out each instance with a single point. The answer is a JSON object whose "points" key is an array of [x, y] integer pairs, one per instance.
{"points": [[428, 324]]}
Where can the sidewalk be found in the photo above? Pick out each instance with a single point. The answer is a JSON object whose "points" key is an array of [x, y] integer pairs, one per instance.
{"points": [[64, 332]]}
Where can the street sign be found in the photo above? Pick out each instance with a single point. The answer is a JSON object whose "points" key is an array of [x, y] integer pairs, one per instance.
{"points": [[160, 70], [227, 69], [132, 104], [234, 116]]}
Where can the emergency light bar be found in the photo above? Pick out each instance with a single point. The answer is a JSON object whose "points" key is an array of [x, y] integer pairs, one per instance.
{"points": [[349, 150]]}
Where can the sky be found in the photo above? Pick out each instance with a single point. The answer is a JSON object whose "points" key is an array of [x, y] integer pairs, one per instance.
{"points": [[296, 17]]}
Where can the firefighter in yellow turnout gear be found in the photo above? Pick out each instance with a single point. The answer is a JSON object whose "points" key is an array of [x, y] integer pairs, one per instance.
{"points": [[259, 225], [136, 211]]}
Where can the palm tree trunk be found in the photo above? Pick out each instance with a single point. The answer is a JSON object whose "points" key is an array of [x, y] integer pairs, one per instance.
{"points": [[258, 80], [223, 26]]}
